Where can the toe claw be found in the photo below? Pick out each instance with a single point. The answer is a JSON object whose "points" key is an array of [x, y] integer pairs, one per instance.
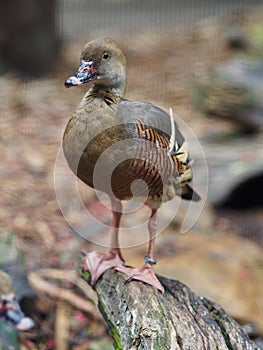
{"points": [[129, 278]]}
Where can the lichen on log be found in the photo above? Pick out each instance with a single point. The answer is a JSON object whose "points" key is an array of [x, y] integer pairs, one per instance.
{"points": [[140, 317]]}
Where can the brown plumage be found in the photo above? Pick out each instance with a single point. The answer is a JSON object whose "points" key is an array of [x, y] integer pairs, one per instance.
{"points": [[110, 142]]}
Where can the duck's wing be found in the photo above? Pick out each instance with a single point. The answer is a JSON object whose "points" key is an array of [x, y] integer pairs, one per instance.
{"points": [[152, 116], [151, 123]]}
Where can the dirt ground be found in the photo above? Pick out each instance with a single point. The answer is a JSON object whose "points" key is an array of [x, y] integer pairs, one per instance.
{"points": [[160, 67]]}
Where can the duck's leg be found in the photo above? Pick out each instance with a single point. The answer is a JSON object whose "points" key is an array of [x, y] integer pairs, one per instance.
{"points": [[98, 262], [145, 273]]}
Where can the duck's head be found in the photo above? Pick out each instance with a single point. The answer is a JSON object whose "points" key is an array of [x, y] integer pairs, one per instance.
{"points": [[102, 62]]}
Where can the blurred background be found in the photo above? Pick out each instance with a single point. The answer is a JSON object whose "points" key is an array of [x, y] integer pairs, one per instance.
{"points": [[204, 59]]}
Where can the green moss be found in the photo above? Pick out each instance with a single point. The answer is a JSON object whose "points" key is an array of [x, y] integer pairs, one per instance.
{"points": [[116, 337], [113, 330], [86, 275]]}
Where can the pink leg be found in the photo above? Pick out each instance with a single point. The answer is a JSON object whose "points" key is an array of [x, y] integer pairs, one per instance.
{"points": [[117, 213], [145, 273], [152, 227], [98, 262]]}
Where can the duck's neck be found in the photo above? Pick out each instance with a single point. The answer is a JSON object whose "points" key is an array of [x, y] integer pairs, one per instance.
{"points": [[106, 93]]}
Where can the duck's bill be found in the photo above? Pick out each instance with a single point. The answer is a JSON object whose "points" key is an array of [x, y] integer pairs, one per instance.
{"points": [[84, 74]]}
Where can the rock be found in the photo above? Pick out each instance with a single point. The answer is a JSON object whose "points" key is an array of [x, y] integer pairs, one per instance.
{"points": [[224, 267], [232, 90], [232, 164]]}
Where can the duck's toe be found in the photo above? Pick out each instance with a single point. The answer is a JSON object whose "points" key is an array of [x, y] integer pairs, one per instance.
{"points": [[144, 274], [98, 262]]}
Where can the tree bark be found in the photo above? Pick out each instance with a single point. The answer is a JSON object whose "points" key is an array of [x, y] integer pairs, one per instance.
{"points": [[140, 317], [29, 41]]}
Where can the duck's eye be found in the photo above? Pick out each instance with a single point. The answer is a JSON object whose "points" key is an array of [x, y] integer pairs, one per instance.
{"points": [[106, 56]]}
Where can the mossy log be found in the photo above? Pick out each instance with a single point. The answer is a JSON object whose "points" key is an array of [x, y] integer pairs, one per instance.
{"points": [[140, 317]]}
